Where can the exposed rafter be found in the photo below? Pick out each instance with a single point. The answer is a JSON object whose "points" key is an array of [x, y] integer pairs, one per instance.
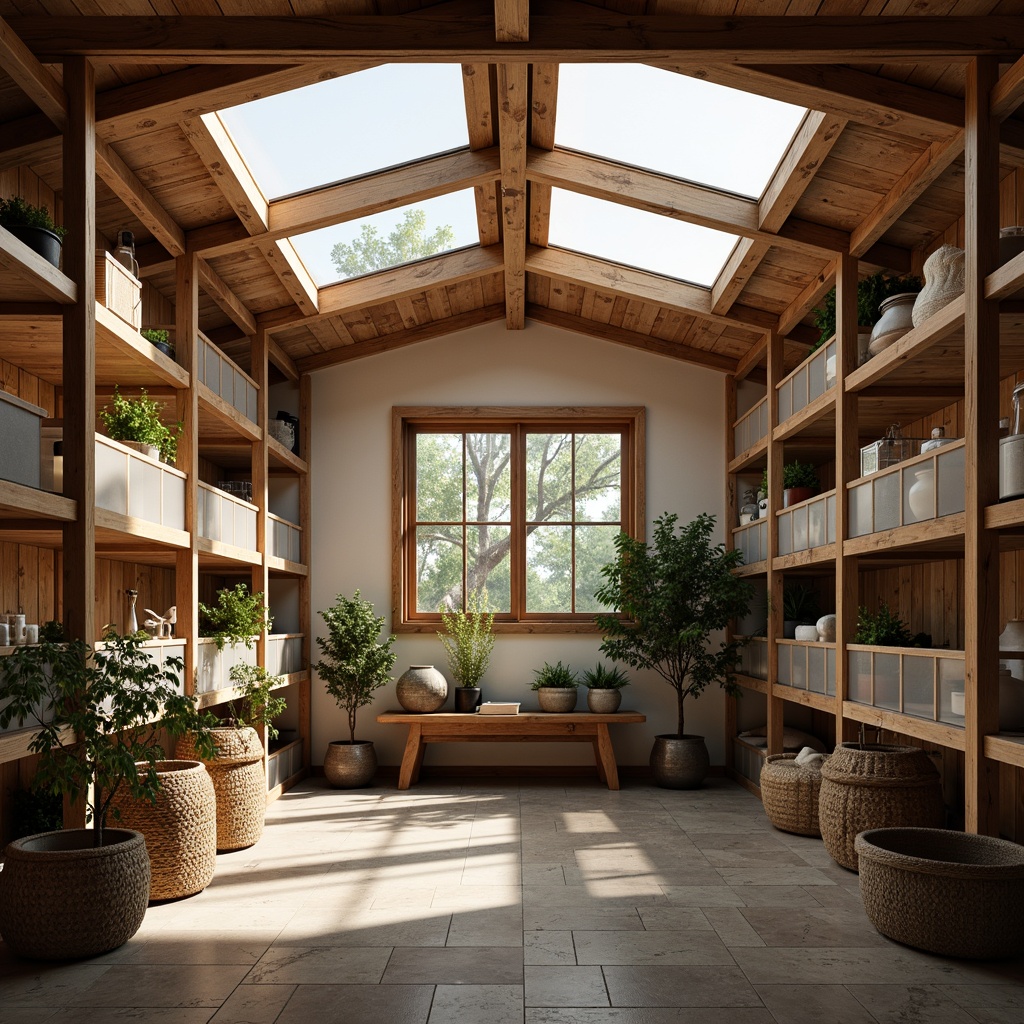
{"points": [[511, 21], [35, 81], [212, 284], [543, 107], [513, 117]]}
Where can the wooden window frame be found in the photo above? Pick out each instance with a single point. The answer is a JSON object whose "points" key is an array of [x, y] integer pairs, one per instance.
{"points": [[631, 420]]}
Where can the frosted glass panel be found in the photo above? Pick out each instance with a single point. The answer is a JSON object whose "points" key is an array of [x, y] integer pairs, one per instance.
{"points": [[860, 510], [144, 490], [785, 673], [816, 669], [111, 479], [860, 676], [918, 688], [919, 493], [887, 681], [799, 667], [830, 519], [174, 501], [887, 502], [785, 401], [786, 534], [816, 524], [800, 530], [951, 482], [951, 680], [830, 669], [816, 375]]}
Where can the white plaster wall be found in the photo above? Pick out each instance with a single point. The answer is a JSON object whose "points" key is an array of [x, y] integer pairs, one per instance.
{"points": [[542, 365]]}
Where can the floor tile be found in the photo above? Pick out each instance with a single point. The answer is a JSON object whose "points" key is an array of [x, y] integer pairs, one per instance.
{"points": [[153, 985], [591, 918], [820, 926], [299, 965], [485, 928], [672, 919], [477, 1004], [909, 1004], [679, 986], [253, 1004], [548, 949], [358, 1004], [732, 927], [812, 1004], [455, 965], [650, 1015], [367, 927], [565, 986], [651, 948]]}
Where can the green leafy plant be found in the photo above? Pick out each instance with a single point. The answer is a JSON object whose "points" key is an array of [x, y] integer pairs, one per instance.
{"points": [[672, 596], [257, 704], [799, 603], [354, 664], [99, 713], [881, 628], [157, 337], [16, 212], [237, 618], [138, 419], [468, 642], [558, 675], [600, 677], [871, 293], [799, 474]]}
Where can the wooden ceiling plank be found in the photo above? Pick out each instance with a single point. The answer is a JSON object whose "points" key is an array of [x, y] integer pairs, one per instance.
{"points": [[20, 63], [811, 295], [217, 151], [917, 179], [513, 118], [629, 283], [752, 359], [291, 272], [399, 339], [479, 90], [512, 21], [745, 258], [1008, 93], [575, 31], [124, 183], [212, 284]]}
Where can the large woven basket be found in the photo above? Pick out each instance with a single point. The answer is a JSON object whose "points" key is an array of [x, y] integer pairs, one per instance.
{"points": [[790, 793], [875, 786], [947, 892], [240, 782], [61, 898], [180, 829]]}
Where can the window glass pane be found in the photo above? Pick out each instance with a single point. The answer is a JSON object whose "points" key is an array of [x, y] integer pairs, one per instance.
{"points": [[548, 477], [439, 478], [549, 569], [595, 548], [438, 567], [598, 477], [488, 478], [488, 569]]}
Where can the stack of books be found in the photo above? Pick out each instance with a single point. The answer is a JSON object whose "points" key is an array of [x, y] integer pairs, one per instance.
{"points": [[499, 707]]}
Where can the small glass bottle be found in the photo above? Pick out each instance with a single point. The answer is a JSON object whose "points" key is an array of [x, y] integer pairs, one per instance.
{"points": [[58, 467], [1017, 400], [125, 252]]}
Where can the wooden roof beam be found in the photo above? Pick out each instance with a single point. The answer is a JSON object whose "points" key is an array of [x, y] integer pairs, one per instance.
{"points": [[560, 30], [480, 92], [812, 294], [1008, 93], [386, 285], [752, 359], [638, 284], [513, 118], [511, 21], [124, 183], [291, 272], [282, 360], [543, 108], [32, 78], [212, 284]]}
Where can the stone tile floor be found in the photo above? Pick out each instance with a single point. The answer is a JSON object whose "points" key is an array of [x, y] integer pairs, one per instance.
{"points": [[517, 902]]}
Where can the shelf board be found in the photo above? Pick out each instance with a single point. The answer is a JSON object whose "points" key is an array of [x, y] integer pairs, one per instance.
{"points": [[809, 699], [215, 554], [128, 539], [816, 419], [1005, 749], [754, 569], [920, 728], [16, 744], [932, 539], [1007, 281], [21, 503], [282, 567], [753, 458], [283, 458], [819, 556], [219, 420], [1007, 515], [293, 679], [752, 683], [26, 277]]}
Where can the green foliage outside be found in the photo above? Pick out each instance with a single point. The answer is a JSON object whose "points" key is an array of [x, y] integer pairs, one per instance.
{"points": [[98, 714], [408, 241], [871, 293], [354, 663], [468, 641], [601, 677], [237, 618], [256, 705], [557, 676], [138, 419], [672, 595], [16, 212]]}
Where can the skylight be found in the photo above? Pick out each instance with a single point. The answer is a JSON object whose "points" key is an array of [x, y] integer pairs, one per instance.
{"points": [[639, 239], [673, 124], [455, 211], [349, 126]]}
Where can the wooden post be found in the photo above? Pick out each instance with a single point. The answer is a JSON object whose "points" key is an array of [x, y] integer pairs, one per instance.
{"points": [[305, 589], [259, 370], [981, 402], [776, 706], [731, 510]]}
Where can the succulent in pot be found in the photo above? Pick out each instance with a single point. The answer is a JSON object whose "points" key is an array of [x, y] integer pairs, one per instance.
{"points": [[555, 687], [604, 688], [468, 641]]}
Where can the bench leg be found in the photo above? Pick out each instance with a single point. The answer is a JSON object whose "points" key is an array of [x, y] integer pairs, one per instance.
{"points": [[606, 757], [598, 760], [412, 758]]}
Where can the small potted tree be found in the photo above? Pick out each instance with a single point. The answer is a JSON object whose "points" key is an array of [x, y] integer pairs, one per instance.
{"points": [[555, 687], [604, 688], [468, 642], [98, 714], [671, 597], [354, 663], [136, 422], [34, 226]]}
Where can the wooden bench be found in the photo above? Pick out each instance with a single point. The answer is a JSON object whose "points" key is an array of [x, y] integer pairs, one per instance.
{"points": [[528, 727]]}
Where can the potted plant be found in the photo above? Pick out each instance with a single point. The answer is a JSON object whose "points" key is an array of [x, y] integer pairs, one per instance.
{"points": [[34, 226], [98, 715], [160, 339], [468, 642], [604, 688], [555, 686], [228, 632], [136, 422], [353, 665], [799, 482], [235, 763], [799, 608], [670, 597]]}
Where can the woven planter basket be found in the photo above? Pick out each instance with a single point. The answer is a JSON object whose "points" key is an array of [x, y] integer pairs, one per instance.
{"points": [[875, 786], [946, 892], [240, 782], [790, 793], [180, 829], [61, 898]]}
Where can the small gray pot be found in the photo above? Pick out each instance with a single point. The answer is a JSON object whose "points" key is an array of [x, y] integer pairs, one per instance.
{"points": [[559, 699], [679, 762], [348, 765], [603, 701]]}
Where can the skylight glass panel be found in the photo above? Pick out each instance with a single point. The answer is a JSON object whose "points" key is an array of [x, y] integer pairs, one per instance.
{"points": [[388, 239], [675, 125], [639, 239], [349, 126]]}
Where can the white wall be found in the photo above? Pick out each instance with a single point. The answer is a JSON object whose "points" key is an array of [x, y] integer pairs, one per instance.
{"points": [[351, 508]]}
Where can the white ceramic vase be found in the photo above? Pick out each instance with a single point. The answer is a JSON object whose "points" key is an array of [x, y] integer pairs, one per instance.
{"points": [[895, 321], [922, 494]]}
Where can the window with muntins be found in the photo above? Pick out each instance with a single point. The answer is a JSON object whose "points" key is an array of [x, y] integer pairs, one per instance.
{"points": [[518, 508]]}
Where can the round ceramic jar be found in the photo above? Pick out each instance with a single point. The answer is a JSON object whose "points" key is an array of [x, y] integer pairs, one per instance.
{"points": [[421, 688]]}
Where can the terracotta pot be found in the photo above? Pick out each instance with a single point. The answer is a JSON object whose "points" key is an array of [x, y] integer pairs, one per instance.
{"points": [[794, 495], [679, 762]]}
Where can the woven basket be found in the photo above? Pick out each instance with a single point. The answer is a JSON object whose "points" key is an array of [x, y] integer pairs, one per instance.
{"points": [[875, 786], [240, 782], [61, 898], [946, 892], [180, 829], [789, 792]]}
